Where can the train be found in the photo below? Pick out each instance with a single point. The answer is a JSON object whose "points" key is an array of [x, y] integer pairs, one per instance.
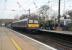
{"points": [[26, 23]]}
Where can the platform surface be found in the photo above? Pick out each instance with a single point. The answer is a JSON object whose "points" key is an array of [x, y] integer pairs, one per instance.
{"points": [[11, 40]]}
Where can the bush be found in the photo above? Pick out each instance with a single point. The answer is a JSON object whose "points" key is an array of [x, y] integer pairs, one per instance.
{"points": [[48, 25]]}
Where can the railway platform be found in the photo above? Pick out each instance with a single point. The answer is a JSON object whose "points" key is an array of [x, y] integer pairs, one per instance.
{"points": [[58, 32], [12, 40]]}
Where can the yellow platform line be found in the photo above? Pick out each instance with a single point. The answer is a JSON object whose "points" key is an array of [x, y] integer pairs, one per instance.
{"points": [[16, 45]]}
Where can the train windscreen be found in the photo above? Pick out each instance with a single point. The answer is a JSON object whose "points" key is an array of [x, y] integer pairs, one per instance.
{"points": [[30, 21], [35, 21]]}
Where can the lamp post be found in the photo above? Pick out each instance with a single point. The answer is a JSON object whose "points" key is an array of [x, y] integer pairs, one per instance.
{"points": [[59, 12]]}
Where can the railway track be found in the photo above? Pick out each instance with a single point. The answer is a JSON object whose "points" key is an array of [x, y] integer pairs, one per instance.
{"points": [[59, 41]]}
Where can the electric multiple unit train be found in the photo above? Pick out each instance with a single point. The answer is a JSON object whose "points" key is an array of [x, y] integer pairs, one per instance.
{"points": [[26, 24]]}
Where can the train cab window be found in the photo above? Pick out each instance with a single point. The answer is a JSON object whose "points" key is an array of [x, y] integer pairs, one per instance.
{"points": [[35, 21], [30, 21]]}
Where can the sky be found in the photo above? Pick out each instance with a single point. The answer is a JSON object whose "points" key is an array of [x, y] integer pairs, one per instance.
{"points": [[10, 9]]}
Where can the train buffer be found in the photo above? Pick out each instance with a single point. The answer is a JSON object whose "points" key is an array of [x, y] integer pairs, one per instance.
{"points": [[12, 40], [58, 32]]}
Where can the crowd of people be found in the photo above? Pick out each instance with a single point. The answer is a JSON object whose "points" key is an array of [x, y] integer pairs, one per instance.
{"points": [[55, 26]]}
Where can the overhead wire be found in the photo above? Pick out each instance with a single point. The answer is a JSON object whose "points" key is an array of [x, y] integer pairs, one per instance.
{"points": [[34, 2]]}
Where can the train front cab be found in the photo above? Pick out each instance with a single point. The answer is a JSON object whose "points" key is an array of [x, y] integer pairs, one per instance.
{"points": [[33, 26]]}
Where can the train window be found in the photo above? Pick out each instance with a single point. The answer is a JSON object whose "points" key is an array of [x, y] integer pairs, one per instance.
{"points": [[30, 21], [35, 21]]}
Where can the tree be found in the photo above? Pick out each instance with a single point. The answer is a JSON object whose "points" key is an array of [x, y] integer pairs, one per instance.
{"points": [[46, 14], [69, 13], [23, 16], [43, 11]]}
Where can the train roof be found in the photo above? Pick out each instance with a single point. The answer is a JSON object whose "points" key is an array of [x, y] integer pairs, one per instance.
{"points": [[21, 20]]}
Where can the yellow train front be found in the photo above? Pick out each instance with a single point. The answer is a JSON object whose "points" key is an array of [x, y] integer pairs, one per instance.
{"points": [[33, 24], [26, 24]]}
